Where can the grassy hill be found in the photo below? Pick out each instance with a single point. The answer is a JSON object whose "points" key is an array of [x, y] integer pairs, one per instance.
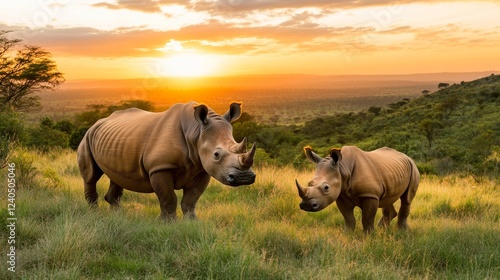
{"points": [[250, 232], [455, 129]]}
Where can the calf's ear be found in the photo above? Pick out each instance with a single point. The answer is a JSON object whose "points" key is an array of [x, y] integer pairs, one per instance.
{"points": [[234, 112], [312, 156], [336, 155], [201, 114]]}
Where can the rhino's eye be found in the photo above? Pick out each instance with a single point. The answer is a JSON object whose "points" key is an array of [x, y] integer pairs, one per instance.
{"points": [[326, 188], [216, 156]]}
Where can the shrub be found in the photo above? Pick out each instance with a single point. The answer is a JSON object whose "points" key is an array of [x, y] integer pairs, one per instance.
{"points": [[45, 139], [11, 128]]}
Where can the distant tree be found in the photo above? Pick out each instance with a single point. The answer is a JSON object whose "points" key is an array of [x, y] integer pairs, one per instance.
{"points": [[24, 74], [245, 117], [375, 110], [425, 91], [449, 104], [398, 104], [133, 103], [430, 128], [46, 122], [65, 126], [443, 85]]}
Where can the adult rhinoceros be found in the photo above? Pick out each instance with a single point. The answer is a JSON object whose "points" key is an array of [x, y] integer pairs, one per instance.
{"points": [[369, 180], [162, 152]]}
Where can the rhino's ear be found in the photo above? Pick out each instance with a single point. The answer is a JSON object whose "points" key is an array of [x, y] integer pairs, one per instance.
{"points": [[201, 114], [234, 112], [336, 155], [312, 156]]}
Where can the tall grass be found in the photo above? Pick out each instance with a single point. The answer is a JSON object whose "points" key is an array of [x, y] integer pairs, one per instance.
{"points": [[250, 232]]}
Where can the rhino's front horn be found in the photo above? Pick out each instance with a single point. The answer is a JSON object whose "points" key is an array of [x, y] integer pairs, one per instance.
{"points": [[302, 191], [247, 158]]}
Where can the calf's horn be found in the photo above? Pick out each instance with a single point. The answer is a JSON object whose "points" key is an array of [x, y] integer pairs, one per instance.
{"points": [[247, 158], [302, 191], [241, 147]]}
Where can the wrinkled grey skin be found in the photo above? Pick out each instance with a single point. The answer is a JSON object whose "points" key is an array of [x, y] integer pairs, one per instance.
{"points": [[180, 148], [369, 180]]}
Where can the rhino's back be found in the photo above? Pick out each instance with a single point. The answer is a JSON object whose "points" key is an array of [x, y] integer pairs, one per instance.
{"points": [[384, 173], [117, 144]]}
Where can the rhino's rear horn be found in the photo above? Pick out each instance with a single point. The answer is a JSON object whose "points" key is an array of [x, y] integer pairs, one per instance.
{"points": [[247, 158], [241, 147], [302, 191]]}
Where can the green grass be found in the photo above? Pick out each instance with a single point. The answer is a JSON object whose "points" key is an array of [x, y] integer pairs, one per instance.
{"points": [[251, 232]]}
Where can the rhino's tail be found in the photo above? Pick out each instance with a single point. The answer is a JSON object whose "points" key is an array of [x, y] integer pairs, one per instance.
{"points": [[90, 171], [414, 182]]}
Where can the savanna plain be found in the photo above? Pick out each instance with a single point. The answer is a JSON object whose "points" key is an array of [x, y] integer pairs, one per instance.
{"points": [[249, 232]]}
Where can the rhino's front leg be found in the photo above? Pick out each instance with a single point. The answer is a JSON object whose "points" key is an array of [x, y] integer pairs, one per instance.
{"points": [[347, 210], [369, 207], [191, 195], [163, 186]]}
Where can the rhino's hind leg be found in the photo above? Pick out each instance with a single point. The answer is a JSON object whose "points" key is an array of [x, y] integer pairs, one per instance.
{"points": [[90, 188], [91, 193], [389, 214], [114, 194], [403, 214], [404, 211], [90, 171]]}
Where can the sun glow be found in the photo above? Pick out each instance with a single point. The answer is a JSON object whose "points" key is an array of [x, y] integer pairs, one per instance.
{"points": [[189, 64]]}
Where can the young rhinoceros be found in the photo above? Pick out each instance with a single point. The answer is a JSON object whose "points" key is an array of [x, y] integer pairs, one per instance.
{"points": [[369, 180]]}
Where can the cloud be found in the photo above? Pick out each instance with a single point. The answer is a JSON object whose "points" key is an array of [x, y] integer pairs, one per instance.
{"points": [[235, 6], [284, 31], [147, 6]]}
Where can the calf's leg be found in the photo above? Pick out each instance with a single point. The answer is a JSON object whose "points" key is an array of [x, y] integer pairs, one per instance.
{"points": [[369, 208], [348, 212], [404, 212], [389, 214]]}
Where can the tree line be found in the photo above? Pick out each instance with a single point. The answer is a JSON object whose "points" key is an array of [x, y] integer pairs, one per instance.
{"points": [[455, 129]]}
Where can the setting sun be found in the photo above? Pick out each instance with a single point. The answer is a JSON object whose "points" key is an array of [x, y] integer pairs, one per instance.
{"points": [[189, 64]]}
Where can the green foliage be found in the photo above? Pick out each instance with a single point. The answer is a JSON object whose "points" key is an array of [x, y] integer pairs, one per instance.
{"points": [[26, 171], [65, 126], [45, 139], [11, 129], [47, 135], [76, 137]]}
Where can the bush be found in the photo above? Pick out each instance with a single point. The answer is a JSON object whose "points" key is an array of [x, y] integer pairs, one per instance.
{"points": [[76, 137], [45, 139], [426, 168], [11, 128]]}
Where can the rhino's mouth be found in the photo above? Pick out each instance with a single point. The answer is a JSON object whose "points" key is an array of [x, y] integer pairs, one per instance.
{"points": [[239, 178], [311, 205]]}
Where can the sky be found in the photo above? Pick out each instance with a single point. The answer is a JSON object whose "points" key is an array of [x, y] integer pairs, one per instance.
{"points": [[121, 39]]}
